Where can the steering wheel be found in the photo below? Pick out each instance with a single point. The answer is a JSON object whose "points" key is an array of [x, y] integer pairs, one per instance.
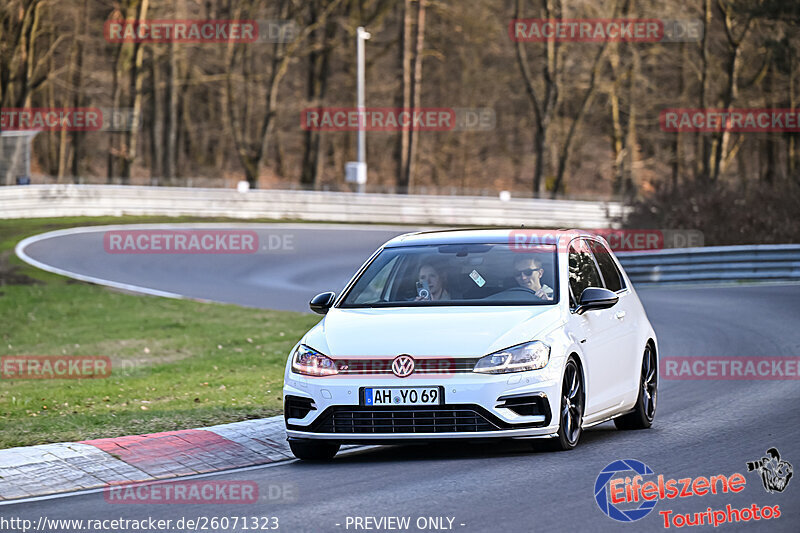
{"points": [[516, 293], [520, 289]]}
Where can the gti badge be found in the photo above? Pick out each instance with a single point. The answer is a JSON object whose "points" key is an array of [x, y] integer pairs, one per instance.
{"points": [[403, 366]]}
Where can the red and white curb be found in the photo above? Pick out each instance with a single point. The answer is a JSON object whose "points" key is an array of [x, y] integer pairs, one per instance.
{"points": [[69, 466]]}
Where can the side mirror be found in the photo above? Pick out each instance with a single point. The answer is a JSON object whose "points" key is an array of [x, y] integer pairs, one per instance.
{"points": [[322, 302], [596, 298]]}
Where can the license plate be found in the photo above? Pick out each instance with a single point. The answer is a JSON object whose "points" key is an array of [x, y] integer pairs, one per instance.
{"points": [[377, 396]]}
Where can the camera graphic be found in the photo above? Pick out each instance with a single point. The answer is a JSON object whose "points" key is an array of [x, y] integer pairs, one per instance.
{"points": [[775, 474]]}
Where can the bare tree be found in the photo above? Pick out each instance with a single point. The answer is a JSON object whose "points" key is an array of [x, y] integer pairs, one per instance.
{"points": [[416, 90], [404, 97], [543, 108], [318, 73]]}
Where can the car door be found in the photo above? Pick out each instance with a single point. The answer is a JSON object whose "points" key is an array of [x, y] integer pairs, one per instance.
{"points": [[627, 354], [595, 331]]}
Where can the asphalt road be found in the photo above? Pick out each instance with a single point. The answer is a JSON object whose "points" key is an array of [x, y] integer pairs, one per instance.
{"points": [[294, 262], [702, 428]]}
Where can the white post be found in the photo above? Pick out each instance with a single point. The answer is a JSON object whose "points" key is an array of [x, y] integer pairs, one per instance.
{"points": [[361, 36]]}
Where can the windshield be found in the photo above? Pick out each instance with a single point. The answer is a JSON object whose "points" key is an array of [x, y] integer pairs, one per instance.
{"points": [[457, 274]]}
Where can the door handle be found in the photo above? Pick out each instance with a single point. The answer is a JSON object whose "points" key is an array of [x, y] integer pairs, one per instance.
{"points": [[619, 315]]}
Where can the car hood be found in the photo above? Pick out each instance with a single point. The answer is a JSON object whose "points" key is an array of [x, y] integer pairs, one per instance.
{"points": [[431, 331]]}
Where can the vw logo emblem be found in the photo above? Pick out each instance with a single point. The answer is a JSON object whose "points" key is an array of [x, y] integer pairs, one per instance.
{"points": [[403, 366]]}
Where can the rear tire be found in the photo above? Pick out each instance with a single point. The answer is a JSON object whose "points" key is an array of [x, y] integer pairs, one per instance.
{"points": [[309, 450], [645, 409], [573, 400]]}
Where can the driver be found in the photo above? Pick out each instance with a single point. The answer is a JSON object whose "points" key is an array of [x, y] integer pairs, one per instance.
{"points": [[528, 273]]}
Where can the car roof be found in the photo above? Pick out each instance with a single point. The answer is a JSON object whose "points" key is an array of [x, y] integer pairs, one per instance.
{"points": [[484, 236]]}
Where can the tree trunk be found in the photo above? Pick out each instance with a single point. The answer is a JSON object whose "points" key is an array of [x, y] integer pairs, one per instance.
{"points": [[156, 121], [791, 155], [170, 131], [113, 138], [404, 136], [617, 130], [542, 111], [702, 140], [771, 140], [720, 140], [317, 85], [630, 186], [416, 87], [131, 134], [678, 145], [567, 143], [77, 84]]}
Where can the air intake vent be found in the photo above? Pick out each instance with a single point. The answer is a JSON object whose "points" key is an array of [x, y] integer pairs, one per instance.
{"points": [[298, 407], [526, 405]]}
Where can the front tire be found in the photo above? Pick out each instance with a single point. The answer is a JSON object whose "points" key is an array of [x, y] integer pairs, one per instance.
{"points": [[309, 450], [573, 400], [645, 409]]}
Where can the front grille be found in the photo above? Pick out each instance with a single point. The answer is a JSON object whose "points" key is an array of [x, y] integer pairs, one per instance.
{"points": [[432, 365], [439, 419]]}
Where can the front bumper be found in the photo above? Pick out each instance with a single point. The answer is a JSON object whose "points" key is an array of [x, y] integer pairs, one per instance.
{"points": [[517, 405]]}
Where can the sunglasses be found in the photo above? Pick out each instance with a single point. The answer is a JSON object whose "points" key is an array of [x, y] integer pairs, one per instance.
{"points": [[526, 271]]}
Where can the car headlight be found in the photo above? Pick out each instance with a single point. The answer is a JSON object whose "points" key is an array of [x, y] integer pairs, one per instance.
{"points": [[519, 358], [310, 362]]}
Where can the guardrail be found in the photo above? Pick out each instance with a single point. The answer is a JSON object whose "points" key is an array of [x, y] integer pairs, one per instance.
{"points": [[669, 266], [34, 201], [713, 264]]}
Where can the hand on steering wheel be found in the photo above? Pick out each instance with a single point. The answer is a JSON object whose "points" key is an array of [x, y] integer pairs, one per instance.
{"points": [[540, 293]]}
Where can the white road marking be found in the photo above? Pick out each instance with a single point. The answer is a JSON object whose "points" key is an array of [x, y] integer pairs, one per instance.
{"points": [[20, 248]]}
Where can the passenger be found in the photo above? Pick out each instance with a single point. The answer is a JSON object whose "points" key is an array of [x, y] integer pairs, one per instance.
{"points": [[528, 272], [436, 278]]}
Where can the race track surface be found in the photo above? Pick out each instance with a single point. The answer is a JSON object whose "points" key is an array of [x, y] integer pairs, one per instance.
{"points": [[702, 428], [294, 262]]}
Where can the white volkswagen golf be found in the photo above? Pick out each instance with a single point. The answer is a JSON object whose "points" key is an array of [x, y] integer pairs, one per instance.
{"points": [[474, 334]]}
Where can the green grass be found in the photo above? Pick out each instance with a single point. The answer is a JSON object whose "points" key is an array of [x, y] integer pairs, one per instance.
{"points": [[176, 364]]}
